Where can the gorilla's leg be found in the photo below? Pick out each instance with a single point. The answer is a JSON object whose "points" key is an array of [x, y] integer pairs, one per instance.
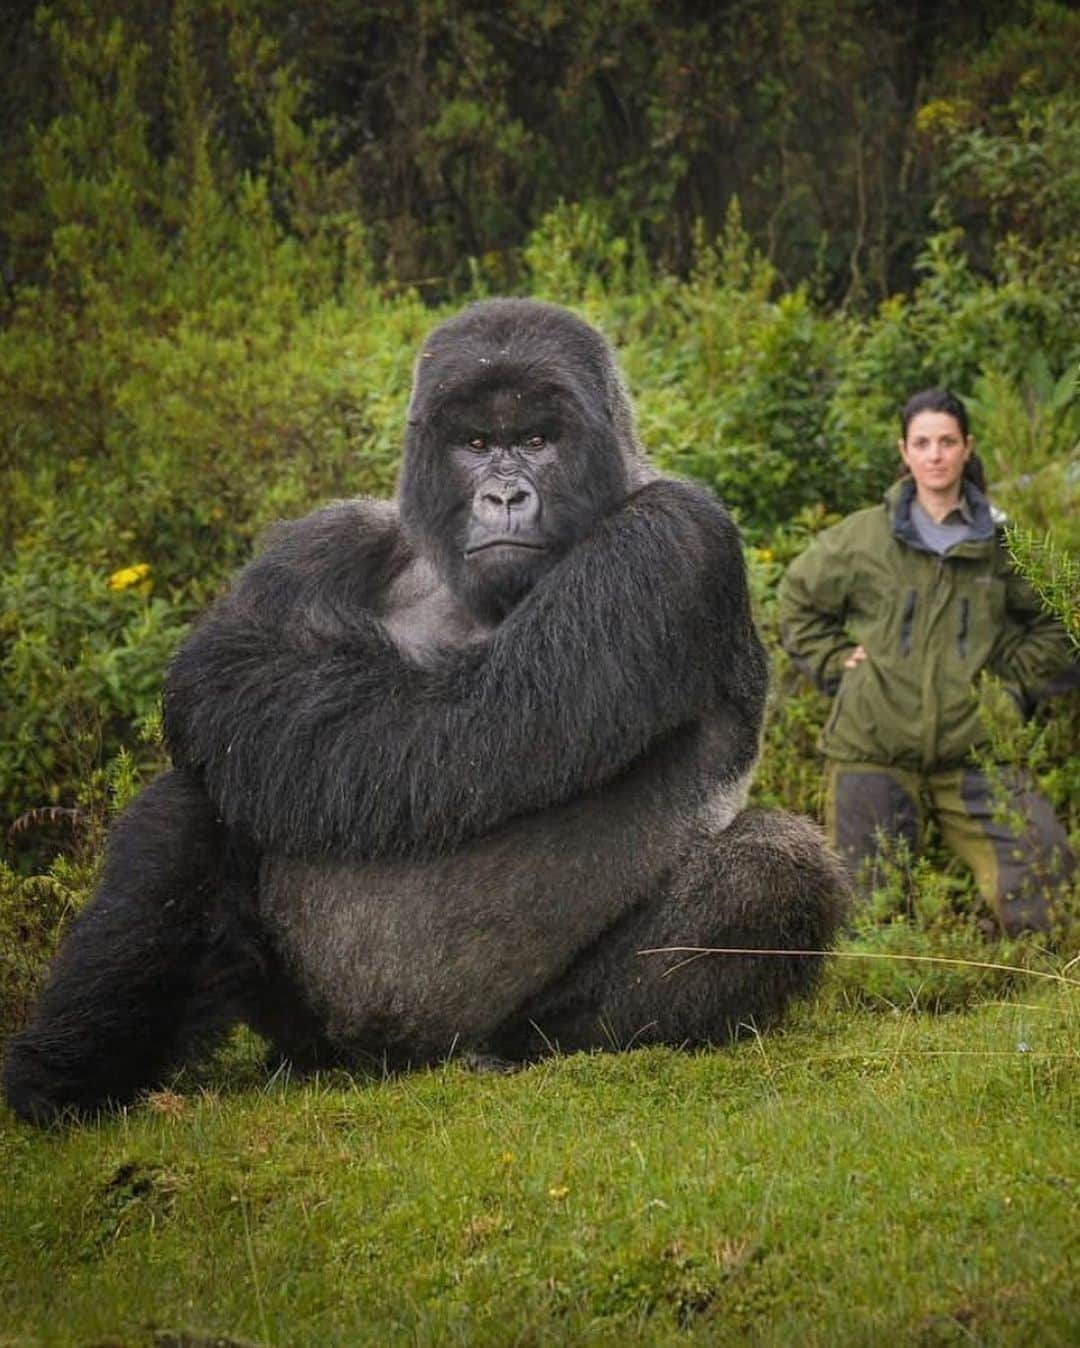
{"points": [[765, 882], [158, 963]]}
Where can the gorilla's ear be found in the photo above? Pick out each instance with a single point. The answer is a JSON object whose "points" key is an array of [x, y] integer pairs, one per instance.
{"points": [[621, 412], [413, 412]]}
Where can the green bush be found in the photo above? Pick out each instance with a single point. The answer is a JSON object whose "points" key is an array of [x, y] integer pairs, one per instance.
{"points": [[192, 370]]}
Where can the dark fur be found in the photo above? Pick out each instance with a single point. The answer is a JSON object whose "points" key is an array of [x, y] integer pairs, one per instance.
{"points": [[473, 787]]}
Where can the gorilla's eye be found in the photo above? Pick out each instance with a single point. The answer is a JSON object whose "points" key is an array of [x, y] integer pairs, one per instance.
{"points": [[478, 443], [536, 442]]}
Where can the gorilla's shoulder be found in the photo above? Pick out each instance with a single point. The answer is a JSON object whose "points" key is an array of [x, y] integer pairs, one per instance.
{"points": [[688, 504], [686, 492], [344, 544], [341, 527]]}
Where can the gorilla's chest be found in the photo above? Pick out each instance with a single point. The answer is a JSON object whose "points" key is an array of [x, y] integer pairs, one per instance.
{"points": [[425, 619]]}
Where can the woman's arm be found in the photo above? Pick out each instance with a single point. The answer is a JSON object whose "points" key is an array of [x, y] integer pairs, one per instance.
{"points": [[812, 611]]}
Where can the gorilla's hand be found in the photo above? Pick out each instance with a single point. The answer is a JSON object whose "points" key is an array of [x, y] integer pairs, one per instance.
{"points": [[317, 737]]}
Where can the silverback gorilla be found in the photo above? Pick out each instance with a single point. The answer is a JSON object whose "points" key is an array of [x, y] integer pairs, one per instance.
{"points": [[444, 768]]}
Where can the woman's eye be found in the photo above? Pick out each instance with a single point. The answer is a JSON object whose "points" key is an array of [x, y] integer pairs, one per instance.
{"points": [[536, 442], [478, 442]]}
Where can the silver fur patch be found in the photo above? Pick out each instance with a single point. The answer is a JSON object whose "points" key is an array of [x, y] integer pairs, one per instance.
{"points": [[725, 802]]}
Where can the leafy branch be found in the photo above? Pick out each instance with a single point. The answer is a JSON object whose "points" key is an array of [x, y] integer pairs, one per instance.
{"points": [[1053, 573]]}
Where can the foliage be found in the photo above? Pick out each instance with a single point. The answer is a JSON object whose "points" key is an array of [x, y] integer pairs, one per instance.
{"points": [[1054, 574], [919, 941], [191, 371], [33, 912], [1006, 143], [455, 129], [35, 909], [1030, 425]]}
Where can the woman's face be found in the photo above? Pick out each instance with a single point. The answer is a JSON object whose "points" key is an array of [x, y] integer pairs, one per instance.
{"points": [[935, 451]]}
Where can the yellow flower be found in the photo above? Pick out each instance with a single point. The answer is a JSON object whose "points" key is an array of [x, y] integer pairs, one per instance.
{"points": [[128, 576], [558, 1191], [765, 554], [943, 116]]}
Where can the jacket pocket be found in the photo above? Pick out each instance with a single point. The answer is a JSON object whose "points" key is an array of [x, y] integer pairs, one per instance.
{"points": [[962, 630], [907, 622]]}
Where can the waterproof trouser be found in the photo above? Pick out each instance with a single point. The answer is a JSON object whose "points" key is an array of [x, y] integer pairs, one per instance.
{"points": [[1009, 836]]}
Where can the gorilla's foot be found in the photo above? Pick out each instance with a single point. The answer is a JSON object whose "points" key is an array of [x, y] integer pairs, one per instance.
{"points": [[42, 1090], [489, 1064]]}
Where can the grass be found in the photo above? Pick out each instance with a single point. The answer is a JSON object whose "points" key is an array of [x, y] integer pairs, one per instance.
{"points": [[857, 1177]]}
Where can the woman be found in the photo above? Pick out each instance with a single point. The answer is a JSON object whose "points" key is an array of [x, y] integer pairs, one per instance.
{"points": [[899, 610]]}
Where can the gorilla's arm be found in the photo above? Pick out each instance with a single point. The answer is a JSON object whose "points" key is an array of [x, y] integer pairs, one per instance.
{"points": [[317, 736]]}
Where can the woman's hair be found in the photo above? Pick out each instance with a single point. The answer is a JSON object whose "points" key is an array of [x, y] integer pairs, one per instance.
{"points": [[942, 400], [934, 400]]}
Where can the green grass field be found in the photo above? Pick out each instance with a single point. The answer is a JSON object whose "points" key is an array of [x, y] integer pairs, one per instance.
{"points": [[859, 1177]]}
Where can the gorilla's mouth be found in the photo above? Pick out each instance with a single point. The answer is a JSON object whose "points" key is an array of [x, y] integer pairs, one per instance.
{"points": [[517, 544]]}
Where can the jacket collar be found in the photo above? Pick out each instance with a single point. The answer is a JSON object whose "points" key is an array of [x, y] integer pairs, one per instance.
{"points": [[898, 501]]}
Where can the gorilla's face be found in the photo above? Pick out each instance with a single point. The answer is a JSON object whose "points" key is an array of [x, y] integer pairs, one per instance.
{"points": [[505, 455], [512, 454], [515, 464]]}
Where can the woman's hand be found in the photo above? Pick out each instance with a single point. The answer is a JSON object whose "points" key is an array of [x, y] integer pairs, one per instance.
{"points": [[855, 657]]}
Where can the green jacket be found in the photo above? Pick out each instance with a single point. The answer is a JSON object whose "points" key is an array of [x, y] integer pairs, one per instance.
{"points": [[930, 626]]}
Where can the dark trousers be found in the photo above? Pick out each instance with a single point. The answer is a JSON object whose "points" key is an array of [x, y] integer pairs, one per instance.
{"points": [[1014, 844]]}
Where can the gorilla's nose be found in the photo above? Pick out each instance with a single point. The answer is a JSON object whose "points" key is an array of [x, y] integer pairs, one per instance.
{"points": [[510, 497], [503, 502]]}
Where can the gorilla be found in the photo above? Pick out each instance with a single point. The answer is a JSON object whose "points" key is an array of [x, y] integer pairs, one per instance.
{"points": [[459, 773]]}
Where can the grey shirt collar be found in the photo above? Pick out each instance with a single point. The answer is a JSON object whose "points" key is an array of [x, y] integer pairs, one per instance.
{"points": [[976, 515], [941, 535]]}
